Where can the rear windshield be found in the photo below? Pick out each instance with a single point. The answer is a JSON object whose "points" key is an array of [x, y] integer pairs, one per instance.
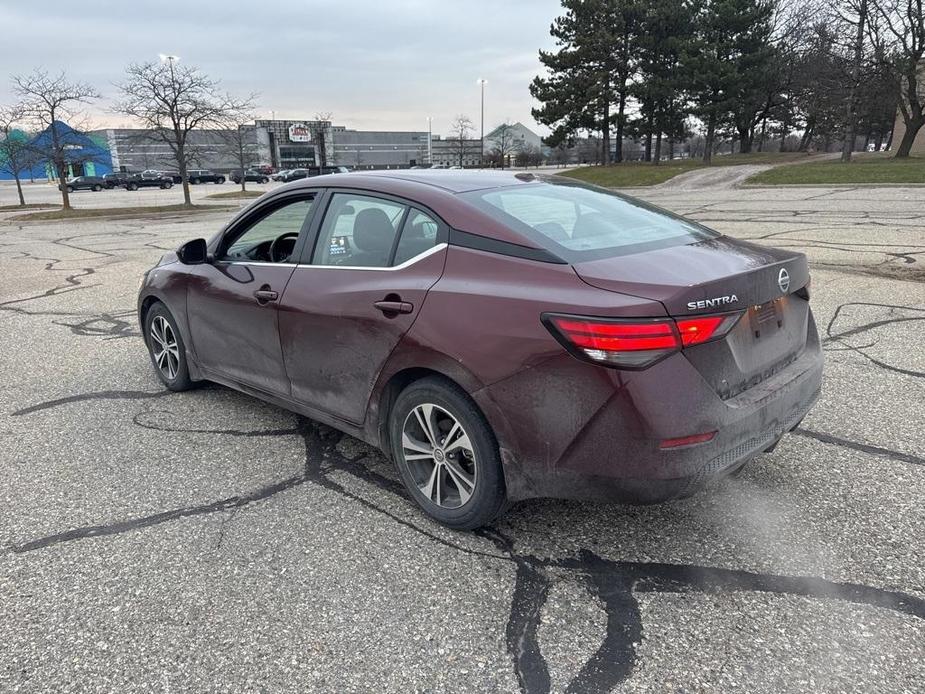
{"points": [[580, 222]]}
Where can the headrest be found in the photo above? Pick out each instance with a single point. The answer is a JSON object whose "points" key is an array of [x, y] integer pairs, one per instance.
{"points": [[372, 230]]}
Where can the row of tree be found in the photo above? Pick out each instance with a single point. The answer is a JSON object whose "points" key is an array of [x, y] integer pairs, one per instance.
{"points": [[740, 70], [169, 100]]}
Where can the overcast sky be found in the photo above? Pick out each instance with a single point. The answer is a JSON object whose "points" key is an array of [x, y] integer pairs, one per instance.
{"points": [[374, 64]]}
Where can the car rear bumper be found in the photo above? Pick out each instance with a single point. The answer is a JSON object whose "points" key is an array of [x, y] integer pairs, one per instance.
{"points": [[612, 451]]}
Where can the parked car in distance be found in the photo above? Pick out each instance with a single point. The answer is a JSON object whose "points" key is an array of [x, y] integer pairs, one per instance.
{"points": [[117, 179], [296, 174], [280, 175], [95, 183], [499, 335], [148, 179], [250, 176], [172, 175], [195, 176]]}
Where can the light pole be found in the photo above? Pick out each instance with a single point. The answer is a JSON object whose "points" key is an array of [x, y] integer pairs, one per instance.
{"points": [[482, 83], [430, 140]]}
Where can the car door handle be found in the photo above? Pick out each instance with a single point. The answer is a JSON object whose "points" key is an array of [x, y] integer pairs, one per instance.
{"points": [[265, 295], [394, 306]]}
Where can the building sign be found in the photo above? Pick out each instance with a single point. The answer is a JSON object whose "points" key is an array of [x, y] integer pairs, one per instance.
{"points": [[299, 132]]}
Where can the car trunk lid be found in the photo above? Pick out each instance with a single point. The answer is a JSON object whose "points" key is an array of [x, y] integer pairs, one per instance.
{"points": [[721, 275]]}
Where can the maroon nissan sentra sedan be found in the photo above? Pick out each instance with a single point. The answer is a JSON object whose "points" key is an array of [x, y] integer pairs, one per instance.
{"points": [[500, 336]]}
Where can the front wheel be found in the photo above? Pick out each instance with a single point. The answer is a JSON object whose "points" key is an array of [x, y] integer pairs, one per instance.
{"points": [[70, 189], [132, 186], [219, 180], [447, 454], [165, 346], [97, 189]]}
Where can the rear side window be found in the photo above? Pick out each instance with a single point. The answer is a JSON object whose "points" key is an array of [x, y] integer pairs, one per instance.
{"points": [[358, 231], [578, 222], [419, 234]]}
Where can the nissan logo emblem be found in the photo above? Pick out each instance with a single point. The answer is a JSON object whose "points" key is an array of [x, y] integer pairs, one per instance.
{"points": [[783, 280]]}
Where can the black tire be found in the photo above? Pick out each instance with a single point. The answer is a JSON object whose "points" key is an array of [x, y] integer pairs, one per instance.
{"points": [[181, 380], [487, 498], [132, 186], [219, 180], [264, 180], [97, 189], [194, 181], [70, 189]]}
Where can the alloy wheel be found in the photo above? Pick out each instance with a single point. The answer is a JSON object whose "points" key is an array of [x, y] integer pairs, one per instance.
{"points": [[164, 347], [438, 453]]}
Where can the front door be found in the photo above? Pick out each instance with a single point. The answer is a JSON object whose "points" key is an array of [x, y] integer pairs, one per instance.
{"points": [[355, 296], [232, 302]]}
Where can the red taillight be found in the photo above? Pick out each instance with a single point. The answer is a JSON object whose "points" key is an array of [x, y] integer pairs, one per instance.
{"points": [[631, 343], [687, 440], [626, 343], [704, 328]]}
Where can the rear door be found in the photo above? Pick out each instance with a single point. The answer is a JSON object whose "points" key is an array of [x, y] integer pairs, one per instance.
{"points": [[355, 294]]}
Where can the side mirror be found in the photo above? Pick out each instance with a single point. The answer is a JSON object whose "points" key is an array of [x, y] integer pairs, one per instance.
{"points": [[193, 252]]}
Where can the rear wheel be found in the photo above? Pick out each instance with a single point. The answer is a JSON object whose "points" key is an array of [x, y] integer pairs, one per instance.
{"points": [[220, 179], [194, 181], [132, 186], [70, 189], [447, 454], [165, 345], [97, 189]]}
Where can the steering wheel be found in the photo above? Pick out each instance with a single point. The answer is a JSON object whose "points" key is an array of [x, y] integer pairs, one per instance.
{"points": [[277, 255]]}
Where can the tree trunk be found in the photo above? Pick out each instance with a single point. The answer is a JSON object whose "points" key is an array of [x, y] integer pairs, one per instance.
{"points": [[656, 159], [605, 129], [181, 165], [851, 115], [620, 110], [22, 200], [648, 155], [61, 170], [879, 142], [708, 140], [912, 129]]}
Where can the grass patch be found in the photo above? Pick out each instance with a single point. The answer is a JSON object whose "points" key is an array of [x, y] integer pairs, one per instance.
{"points": [[632, 174], [30, 206], [89, 213], [639, 173], [878, 167], [235, 195]]}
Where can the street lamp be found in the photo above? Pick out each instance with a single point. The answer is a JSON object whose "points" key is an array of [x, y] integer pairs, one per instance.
{"points": [[430, 140], [169, 58], [482, 82]]}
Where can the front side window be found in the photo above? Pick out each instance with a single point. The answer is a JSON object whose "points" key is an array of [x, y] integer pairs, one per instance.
{"points": [[271, 238], [579, 222], [358, 231]]}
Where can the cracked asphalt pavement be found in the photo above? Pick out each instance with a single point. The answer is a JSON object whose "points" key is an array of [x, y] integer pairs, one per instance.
{"points": [[207, 542]]}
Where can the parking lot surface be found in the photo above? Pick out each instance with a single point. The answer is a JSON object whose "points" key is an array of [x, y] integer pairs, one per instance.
{"points": [[206, 542]]}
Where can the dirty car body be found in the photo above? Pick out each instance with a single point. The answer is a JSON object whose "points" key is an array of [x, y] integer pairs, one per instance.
{"points": [[614, 350]]}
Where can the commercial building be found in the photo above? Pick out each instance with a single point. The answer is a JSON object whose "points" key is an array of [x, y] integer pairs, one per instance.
{"points": [[135, 149], [374, 149], [291, 144], [456, 152], [85, 154]]}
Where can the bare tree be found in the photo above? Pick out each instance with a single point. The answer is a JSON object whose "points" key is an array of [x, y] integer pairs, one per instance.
{"points": [[505, 143], [460, 138], [16, 156], [47, 101], [172, 101], [241, 143], [903, 22]]}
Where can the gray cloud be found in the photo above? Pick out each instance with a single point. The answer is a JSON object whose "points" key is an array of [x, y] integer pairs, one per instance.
{"points": [[375, 65]]}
